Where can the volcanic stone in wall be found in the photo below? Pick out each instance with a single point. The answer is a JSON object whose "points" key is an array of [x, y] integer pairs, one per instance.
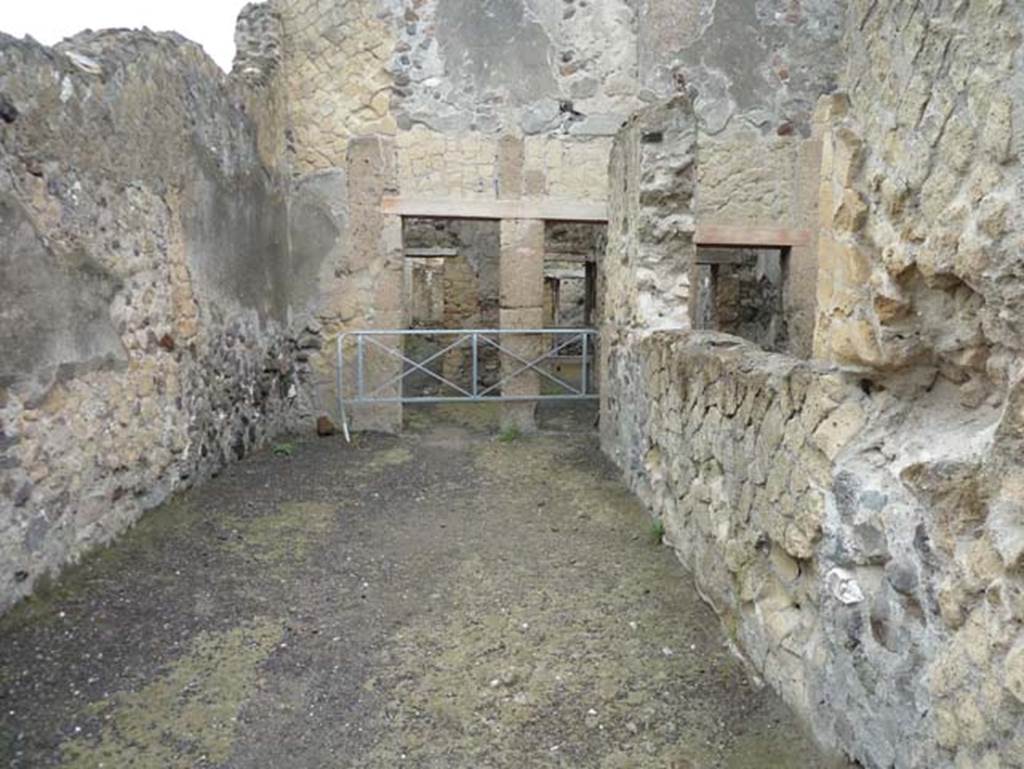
{"points": [[155, 315]]}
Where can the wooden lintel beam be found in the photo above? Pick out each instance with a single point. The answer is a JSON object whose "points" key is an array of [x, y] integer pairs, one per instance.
{"points": [[726, 257], [564, 210], [568, 256], [728, 236], [549, 209], [431, 253]]}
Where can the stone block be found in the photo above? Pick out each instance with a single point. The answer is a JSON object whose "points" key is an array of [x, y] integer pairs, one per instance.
{"points": [[997, 135], [855, 342], [598, 125], [852, 214], [521, 317], [1005, 524], [510, 167], [540, 117], [839, 428], [1014, 671], [847, 156], [520, 416], [519, 351]]}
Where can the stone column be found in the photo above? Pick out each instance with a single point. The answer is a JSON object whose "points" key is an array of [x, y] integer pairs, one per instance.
{"points": [[522, 306]]}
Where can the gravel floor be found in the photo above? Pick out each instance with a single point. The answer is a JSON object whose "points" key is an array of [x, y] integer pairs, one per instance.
{"points": [[445, 599]]}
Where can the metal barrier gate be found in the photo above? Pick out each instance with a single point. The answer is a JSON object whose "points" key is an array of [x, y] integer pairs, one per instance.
{"points": [[505, 354]]}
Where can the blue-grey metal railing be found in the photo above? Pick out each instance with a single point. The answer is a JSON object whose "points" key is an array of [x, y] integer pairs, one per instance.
{"points": [[555, 345]]}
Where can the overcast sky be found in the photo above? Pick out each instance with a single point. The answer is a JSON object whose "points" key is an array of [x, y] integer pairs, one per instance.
{"points": [[211, 23]]}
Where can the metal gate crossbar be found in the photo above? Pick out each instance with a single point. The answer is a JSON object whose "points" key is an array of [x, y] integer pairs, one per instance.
{"points": [[532, 365], [421, 366], [477, 339]]}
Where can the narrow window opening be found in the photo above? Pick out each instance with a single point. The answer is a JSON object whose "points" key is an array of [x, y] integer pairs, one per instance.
{"points": [[741, 291]]}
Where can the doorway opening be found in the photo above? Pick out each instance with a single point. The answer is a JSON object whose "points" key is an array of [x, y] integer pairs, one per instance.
{"points": [[452, 281], [571, 254], [468, 283]]}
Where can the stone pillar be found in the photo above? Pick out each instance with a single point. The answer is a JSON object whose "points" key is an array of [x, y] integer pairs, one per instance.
{"points": [[644, 276], [376, 275], [522, 306], [801, 290], [317, 223]]}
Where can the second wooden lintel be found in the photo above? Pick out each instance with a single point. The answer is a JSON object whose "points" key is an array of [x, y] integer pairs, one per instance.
{"points": [[731, 236], [549, 209]]}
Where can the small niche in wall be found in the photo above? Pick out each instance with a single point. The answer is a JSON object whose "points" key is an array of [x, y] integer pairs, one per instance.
{"points": [[740, 291]]}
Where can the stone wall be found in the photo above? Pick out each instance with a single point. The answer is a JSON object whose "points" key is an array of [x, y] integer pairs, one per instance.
{"points": [[645, 274], [450, 78], [519, 99], [871, 581], [857, 522], [154, 310], [758, 65], [536, 67], [734, 449], [256, 79], [480, 167], [921, 259], [920, 294]]}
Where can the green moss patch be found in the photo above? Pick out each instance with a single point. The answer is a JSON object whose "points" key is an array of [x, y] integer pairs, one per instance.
{"points": [[187, 715]]}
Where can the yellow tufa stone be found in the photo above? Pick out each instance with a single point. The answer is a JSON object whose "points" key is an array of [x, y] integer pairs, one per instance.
{"points": [[854, 342]]}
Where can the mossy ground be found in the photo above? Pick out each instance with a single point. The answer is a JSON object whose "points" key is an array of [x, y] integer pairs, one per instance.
{"points": [[440, 600], [184, 716]]}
